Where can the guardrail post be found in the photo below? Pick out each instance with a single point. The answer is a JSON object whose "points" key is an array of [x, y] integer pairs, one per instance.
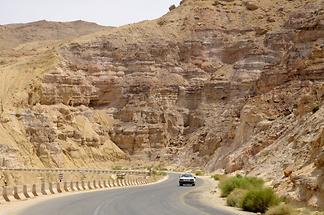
{"points": [[59, 187], [111, 182], [1, 197], [83, 185], [132, 182], [125, 182], [89, 186], [78, 186], [95, 184], [34, 190], [100, 184], [66, 189], [50, 188], [16, 193], [43, 191], [72, 186], [25, 192], [5, 194], [106, 185]]}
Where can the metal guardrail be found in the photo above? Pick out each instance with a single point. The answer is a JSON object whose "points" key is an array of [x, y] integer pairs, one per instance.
{"points": [[96, 171], [25, 192]]}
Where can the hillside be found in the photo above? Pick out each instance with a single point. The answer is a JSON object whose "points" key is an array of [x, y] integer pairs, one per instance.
{"points": [[234, 85], [16, 34]]}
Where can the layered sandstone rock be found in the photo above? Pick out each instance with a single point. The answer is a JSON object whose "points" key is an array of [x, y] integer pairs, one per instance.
{"points": [[216, 84]]}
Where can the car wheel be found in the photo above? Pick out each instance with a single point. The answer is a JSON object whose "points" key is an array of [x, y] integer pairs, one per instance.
{"points": [[180, 185], [193, 185]]}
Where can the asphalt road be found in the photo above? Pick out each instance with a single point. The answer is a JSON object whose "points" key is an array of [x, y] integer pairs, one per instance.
{"points": [[165, 198]]}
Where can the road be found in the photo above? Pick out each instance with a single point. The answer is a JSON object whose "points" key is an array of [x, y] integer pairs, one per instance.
{"points": [[165, 198]]}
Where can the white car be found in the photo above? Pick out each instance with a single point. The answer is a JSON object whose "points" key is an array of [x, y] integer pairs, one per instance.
{"points": [[187, 178]]}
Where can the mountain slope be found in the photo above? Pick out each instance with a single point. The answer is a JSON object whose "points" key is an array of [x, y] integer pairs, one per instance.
{"points": [[220, 84]]}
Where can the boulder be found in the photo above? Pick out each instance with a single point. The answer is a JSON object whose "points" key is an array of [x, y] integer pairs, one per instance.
{"points": [[172, 7], [288, 171], [251, 6]]}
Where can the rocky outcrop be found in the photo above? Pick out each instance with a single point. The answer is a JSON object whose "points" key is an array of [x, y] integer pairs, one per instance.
{"points": [[220, 84]]}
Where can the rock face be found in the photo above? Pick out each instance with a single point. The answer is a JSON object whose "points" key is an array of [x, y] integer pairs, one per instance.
{"points": [[216, 84], [48, 134]]}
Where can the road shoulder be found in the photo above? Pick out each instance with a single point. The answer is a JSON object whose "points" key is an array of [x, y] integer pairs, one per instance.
{"points": [[209, 195]]}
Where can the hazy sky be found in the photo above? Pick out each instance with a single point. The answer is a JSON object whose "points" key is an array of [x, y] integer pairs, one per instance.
{"points": [[104, 12]]}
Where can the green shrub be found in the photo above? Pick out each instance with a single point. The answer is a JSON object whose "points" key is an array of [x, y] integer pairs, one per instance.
{"points": [[256, 182], [260, 200], [282, 209], [248, 183], [236, 197], [218, 177]]}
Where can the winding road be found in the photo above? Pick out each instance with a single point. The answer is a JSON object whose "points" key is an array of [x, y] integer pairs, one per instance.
{"points": [[165, 198]]}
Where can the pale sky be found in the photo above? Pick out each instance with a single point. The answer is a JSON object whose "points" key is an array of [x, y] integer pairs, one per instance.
{"points": [[103, 12]]}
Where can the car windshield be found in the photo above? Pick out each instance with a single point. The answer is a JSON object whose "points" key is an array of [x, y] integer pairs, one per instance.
{"points": [[186, 175]]}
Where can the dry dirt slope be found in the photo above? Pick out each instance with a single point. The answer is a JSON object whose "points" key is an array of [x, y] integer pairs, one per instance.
{"points": [[16, 34], [216, 84]]}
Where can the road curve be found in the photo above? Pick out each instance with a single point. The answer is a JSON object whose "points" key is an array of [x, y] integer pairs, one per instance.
{"points": [[165, 198]]}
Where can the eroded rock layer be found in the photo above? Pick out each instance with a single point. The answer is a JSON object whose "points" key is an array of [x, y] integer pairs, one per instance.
{"points": [[233, 84]]}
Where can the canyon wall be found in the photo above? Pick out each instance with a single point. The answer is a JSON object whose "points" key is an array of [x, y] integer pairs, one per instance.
{"points": [[234, 85]]}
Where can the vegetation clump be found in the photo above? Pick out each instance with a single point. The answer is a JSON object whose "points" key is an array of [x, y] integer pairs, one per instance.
{"points": [[218, 177], [236, 197], [282, 209], [248, 193], [248, 183], [260, 200]]}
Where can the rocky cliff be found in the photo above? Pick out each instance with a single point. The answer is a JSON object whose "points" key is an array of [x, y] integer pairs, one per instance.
{"points": [[226, 84]]}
